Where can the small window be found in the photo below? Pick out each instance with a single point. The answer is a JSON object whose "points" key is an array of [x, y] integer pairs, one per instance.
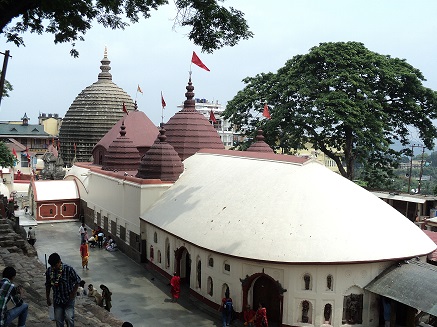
{"points": [[159, 256], [305, 309], [210, 289], [151, 254], [211, 262], [51, 211], [327, 311], [307, 282], [329, 283], [199, 273], [227, 267], [155, 237]]}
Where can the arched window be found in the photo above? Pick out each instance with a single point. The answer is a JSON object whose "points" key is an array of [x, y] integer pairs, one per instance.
{"points": [[329, 283], [151, 254], [159, 256], [225, 288], [167, 253], [210, 286], [210, 261], [199, 273], [327, 311], [353, 306], [307, 283], [155, 237], [305, 309]]}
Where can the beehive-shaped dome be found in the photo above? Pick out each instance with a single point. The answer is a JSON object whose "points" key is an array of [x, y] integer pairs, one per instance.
{"points": [[122, 154], [91, 115], [161, 161], [188, 130], [260, 145]]}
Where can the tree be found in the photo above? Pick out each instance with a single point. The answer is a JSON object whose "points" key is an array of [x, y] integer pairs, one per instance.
{"points": [[7, 88], [342, 99], [7, 159], [213, 26]]}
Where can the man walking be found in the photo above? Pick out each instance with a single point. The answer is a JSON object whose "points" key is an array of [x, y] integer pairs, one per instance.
{"points": [[65, 281], [31, 238], [8, 291], [82, 233]]}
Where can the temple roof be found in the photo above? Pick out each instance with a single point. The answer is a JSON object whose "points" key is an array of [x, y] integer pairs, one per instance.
{"points": [[261, 206], [142, 131], [122, 154], [161, 161], [92, 114], [188, 130], [259, 145]]}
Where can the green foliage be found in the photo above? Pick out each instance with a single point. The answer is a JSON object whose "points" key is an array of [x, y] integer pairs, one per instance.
{"points": [[7, 159], [7, 88], [213, 26], [341, 98]]}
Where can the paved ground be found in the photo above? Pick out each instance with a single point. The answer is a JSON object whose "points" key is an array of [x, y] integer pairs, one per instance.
{"points": [[138, 295]]}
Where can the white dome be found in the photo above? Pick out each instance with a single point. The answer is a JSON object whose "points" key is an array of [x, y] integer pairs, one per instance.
{"points": [[284, 212]]}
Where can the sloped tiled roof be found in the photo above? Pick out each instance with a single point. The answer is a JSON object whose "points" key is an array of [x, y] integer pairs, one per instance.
{"points": [[15, 130]]}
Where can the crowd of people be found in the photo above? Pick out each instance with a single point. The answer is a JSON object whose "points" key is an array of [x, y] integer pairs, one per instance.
{"points": [[97, 239]]}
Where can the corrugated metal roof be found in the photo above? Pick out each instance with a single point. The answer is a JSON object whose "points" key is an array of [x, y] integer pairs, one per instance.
{"points": [[412, 282], [403, 197]]}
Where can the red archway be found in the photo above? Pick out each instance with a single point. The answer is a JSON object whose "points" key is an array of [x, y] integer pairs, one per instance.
{"points": [[267, 291]]}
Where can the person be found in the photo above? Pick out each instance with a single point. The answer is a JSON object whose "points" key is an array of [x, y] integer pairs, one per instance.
{"points": [[81, 291], [10, 292], [92, 292], [175, 284], [64, 281], [100, 239], [31, 238], [82, 232], [261, 316], [85, 235], [92, 241], [227, 309], [106, 296], [84, 254], [249, 316], [127, 324]]}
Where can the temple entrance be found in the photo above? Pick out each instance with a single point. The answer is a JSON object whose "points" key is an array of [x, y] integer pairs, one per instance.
{"points": [[183, 265], [265, 291]]}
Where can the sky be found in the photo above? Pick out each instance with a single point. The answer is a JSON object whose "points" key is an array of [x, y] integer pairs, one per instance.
{"points": [[157, 57]]}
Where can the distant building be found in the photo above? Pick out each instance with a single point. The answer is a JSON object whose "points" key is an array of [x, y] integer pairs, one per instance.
{"points": [[51, 122], [29, 142]]}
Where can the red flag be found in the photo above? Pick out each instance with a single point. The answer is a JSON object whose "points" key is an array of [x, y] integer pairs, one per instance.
{"points": [[212, 117], [196, 60], [139, 89], [266, 112], [124, 109], [163, 101], [14, 152]]}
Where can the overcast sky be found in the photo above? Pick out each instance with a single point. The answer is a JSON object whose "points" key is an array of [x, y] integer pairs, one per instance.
{"points": [[47, 79]]}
